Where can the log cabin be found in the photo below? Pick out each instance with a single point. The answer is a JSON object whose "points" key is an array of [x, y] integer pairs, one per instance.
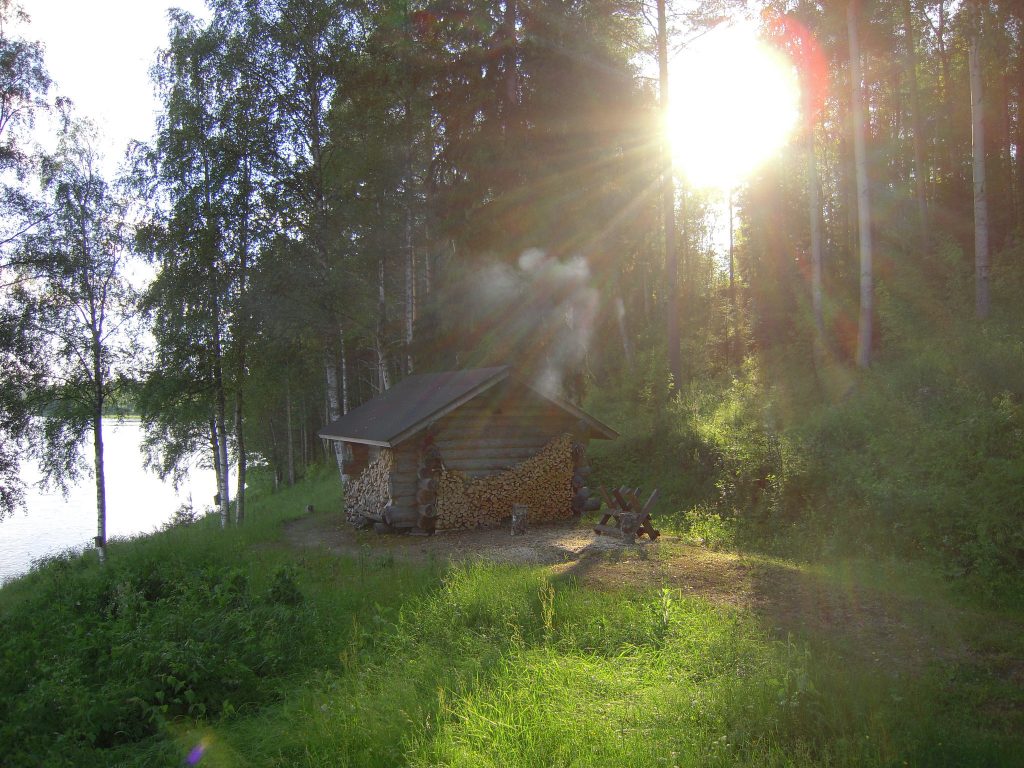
{"points": [[457, 449]]}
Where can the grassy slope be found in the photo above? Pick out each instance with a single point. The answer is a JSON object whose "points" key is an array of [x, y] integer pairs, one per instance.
{"points": [[385, 663]]}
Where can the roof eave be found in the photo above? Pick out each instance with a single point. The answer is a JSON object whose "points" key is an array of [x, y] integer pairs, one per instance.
{"points": [[607, 432], [359, 440]]}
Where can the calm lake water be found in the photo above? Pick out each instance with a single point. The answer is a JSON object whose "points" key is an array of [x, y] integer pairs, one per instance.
{"points": [[137, 502]]}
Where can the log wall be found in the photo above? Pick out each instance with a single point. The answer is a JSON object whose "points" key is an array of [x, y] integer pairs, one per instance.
{"points": [[402, 486], [498, 431]]}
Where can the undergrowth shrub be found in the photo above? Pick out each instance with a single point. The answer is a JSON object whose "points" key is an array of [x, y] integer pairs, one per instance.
{"points": [[922, 456], [709, 529], [109, 655]]}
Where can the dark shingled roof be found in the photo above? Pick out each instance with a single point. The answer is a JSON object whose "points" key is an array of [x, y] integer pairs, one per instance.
{"points": [[416, 401]]}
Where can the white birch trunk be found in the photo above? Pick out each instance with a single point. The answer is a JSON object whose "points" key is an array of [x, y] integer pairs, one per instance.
{"points": [[981, 256], [333, 410], [101, 491], [215, 448], [344, 374], [863, 197], [220, 426], [225, 488]]}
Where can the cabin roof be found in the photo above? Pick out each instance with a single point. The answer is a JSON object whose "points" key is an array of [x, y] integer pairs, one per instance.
{"points": [[417, 401]]}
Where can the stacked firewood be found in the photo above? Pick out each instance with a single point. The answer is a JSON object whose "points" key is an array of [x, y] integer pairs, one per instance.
{"points": [[368, 494], [543, 483]]}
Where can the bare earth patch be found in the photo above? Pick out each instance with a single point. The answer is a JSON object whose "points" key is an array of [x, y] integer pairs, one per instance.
{"points": [[543, 545]]}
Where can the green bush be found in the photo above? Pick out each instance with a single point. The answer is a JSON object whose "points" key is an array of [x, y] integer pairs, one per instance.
{"points": [[106, 656], [920, 457]]}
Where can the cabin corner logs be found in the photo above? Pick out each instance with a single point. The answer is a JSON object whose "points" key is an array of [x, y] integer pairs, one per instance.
{"points": [[551, 483]]}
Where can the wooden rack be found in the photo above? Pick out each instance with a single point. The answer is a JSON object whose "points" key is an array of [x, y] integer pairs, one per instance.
{"points": [[631, 519]]}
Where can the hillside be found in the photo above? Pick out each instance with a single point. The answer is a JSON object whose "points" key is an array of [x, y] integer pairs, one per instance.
{"points": [[258, 646]]}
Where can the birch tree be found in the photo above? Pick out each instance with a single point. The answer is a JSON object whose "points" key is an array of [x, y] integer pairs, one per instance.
{"points": [[200, 235], [24, 83], [81, 302]]}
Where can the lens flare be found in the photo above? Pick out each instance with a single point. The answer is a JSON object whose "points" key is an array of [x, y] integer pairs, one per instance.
{"points": [[197, 752], [734, 102]]}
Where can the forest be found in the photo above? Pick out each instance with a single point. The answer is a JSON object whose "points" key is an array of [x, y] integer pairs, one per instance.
{"points": [[823, 361], [337, 195]]}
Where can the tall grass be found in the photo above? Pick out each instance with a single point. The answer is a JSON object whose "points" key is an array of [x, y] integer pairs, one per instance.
{"points": [[229, 648], [503, 666]]}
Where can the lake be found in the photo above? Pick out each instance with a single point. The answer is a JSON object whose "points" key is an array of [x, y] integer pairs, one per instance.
{"points": [[137, 502]]}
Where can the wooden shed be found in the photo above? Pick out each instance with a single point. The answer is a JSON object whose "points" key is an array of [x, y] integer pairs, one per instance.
{"points": [[458, 449]]}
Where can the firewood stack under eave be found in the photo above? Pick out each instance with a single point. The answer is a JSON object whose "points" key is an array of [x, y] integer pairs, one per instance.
{"points": [[543, 483], [368, 494]]}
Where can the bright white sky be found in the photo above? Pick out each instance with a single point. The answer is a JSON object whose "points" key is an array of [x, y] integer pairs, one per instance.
{"points": [[99, 53]]}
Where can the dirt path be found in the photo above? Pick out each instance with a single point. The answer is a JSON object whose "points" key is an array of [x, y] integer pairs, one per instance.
{"points": [[545, 545], [899, 633]]}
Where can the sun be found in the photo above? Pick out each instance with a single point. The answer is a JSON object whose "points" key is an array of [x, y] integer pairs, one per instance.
{"points": [[734, 101]]}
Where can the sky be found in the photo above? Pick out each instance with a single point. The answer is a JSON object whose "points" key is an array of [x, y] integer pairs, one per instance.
{"points": [[99, 53]]}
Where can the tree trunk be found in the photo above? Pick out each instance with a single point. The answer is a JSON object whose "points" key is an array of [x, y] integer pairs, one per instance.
{"points": [[410, 283], [242, 344], [276, 449], [1019, 140], [101, 489], [620, 314], [981, 257], [814, 215], [384, 377], [730, 326], [222, 435], [344, 373], [953, 171], [242, 459], [333, 410], [668, 203], [303, 437], [510, 66], [920, 171], [289, 439], [863, 196], [220, 416], [215, 447]]}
